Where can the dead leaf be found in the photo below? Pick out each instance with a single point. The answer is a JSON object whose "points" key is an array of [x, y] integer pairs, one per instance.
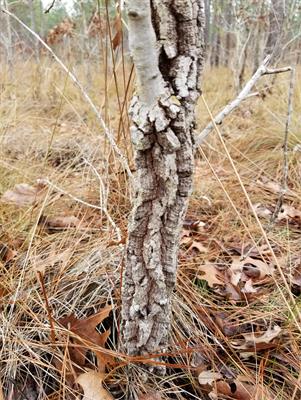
{"points": [[6, 254], [251, 267], [185, 233], [208, 377], [118, 32], [236, 269], [231, 292], [295, 278], [249, 288], [198, 246], [253, 251], [66, 221], [240, 389], [288, 212], [194, 224], [153, 395], [86, 330], [91, 382], [224, 323], [186, 241], [234, 390], [210, 274], [266, 337], [262, 211], [24, 195], [254, 342], [198, 362]]}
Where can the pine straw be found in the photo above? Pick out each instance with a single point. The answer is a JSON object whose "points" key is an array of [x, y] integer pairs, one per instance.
{"points": [[47, 131]]}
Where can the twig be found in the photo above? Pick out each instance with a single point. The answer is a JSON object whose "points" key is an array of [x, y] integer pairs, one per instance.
{"points": [[102, 207], [103, 199], [245, 93], [85, 95], [270, 71], [49, 7], [285, 146], [47, 182], [48, 308]]}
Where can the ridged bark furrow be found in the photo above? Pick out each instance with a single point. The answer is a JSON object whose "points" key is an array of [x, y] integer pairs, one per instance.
{"points": [[166, 40]]}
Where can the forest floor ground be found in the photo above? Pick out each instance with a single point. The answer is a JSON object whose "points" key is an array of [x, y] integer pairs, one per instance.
{"points": [[64, 198]]}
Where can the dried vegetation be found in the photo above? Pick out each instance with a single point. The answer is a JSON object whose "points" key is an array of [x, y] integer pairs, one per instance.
{"points": [[64, 205]]}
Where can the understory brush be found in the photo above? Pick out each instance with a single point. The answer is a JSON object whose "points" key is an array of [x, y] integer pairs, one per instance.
{"points": [[65, 202]]}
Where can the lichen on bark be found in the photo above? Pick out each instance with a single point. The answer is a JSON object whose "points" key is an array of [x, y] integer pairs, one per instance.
{"points": [[166, 41]]}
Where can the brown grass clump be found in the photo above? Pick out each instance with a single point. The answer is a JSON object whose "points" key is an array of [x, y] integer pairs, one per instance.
{"points": [[62, 248]]}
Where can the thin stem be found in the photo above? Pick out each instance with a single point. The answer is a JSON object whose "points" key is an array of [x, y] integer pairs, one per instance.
{"points": [[87, 98], [285, 147]]}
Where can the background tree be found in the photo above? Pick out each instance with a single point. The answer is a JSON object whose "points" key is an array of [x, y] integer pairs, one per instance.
{"points": [[167, 45], [276, 20]]}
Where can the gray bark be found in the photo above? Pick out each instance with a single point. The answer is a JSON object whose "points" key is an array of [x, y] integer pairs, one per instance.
{"points": [[213, 36], [217, 54], [207, 22], [166, 41], [228, 34]]}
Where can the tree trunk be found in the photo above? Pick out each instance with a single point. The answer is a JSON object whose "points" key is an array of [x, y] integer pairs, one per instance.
{"points": [[34, 28], [257, 57], [219, 9], [207, 30], [228, 34], [276, 19], [217, 48], [166, 42], [213, 35]]}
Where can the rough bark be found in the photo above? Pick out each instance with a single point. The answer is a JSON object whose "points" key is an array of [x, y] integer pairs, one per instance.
{"points": [[213, 36], [166, 41], [207, 31], [228, 34]]}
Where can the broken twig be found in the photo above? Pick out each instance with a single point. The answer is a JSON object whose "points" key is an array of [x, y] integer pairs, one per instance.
{"points": [[245, 93], [49, 7]]}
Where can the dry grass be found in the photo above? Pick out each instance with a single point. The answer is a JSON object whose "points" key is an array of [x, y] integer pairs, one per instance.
{"points": [[47, 130]]}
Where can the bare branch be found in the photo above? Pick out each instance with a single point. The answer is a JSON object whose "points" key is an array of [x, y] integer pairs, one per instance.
{"points": [[49, 7], [277, 70], [243, 95]]}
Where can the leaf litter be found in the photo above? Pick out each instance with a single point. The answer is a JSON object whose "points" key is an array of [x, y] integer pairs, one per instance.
{"points": [[91, 382], [24, 194], [85, 337], [240, 303]]}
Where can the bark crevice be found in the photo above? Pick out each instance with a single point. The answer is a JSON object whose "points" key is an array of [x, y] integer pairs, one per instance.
{"points": [[163, 136]]}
